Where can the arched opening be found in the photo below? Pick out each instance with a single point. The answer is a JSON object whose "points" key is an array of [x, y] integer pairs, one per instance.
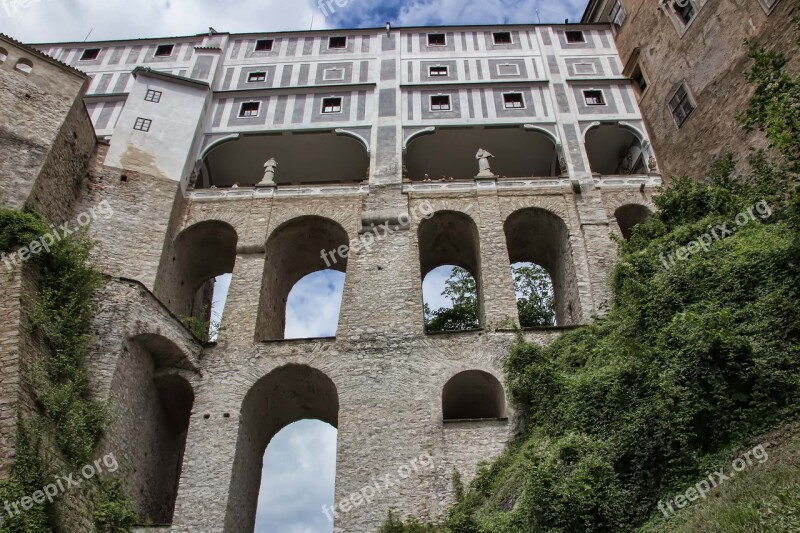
{"points": [[24, 65], [3, 54], [535, 296], [298, 479], [313, 305], [284, 396], [151, 405], [200, 254], [303, 158], [450, 239], [629, 216], [535, 235], [296, 249], [615, 150], [450, 294], [473, 395], [517, 153]]}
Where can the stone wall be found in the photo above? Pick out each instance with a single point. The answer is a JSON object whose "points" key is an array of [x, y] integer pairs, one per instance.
{"points": [[711, 58], [45, 136]]}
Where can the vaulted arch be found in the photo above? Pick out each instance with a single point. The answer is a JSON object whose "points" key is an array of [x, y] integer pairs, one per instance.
{"points": [[473, 395], [629, 216]]}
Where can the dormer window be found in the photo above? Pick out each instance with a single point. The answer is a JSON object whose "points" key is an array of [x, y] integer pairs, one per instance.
{"points": [[164, 50], [264, 45], [90, 54], [437, 39], [337, 43]]}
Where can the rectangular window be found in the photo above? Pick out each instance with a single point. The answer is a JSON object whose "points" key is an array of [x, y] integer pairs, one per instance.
{"points": [[337, 42], [249, 109], [333, 74], [513, 101], [440, 102], [332, 105], [594, 97], [164, 50], [153, 96], [437, 39], [142, 124], [256, 77], [502, 37], [90, 54], [438, 71], [618, 15], [681, 105], [575, 36], [264, 45], [508, 69], [639, 79], [685, 9]]}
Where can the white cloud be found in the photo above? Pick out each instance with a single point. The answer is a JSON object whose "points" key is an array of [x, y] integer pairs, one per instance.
{"points": [[298, 479], [71, 20], [312, 309]]}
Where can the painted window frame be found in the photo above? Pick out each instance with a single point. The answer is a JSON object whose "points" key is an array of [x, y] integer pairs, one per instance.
{"points": [[164, 46], [444, 39], [510, 38], [441, 110], [582, 33], [432, 67], [335, 109], [257, 73], [153, 96], [94, 58], [515, 65], [325, 72], [269, 49], [143, 124], [523, 103], [601, 92], [687, 97], [337, 37], [248, 114]]}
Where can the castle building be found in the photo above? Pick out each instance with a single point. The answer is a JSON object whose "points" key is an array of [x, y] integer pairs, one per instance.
{"points": [[687, 60], [273, 156]]}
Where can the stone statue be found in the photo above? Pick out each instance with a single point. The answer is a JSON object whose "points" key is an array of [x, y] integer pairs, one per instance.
{"points": [[269, 173], [483, 164], [652, 164], [562, 159]]}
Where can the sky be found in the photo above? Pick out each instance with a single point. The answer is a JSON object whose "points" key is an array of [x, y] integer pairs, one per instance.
{"points": [[299, 469], [38, 21]]}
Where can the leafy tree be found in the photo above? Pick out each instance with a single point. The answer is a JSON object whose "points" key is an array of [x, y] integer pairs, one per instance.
{"points": [[535, 299], [461, 289]]}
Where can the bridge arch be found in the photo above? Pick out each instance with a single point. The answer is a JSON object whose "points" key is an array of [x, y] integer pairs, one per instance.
{"points": [[473, 395]]}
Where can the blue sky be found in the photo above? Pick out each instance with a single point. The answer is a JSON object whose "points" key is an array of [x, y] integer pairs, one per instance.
{"points": [[73, 20], [300, 467]]}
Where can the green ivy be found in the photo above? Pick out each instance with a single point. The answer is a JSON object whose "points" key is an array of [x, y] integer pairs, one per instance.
{"points": [[692, 360], [76, 422]]}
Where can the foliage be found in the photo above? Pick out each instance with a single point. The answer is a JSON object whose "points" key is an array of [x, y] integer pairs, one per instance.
{"points": [[202, 328], [394, 524], [535, 301], [60, 317], [113, 509], [693, 358], [461, 289], [535, 298]]}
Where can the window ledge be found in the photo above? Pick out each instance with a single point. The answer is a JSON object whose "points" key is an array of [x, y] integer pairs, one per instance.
{"points": [[449, 421], [455, 332]]}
